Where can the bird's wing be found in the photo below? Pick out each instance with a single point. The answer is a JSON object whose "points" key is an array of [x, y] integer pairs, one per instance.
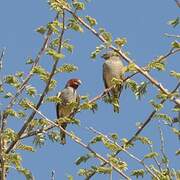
{"points": [[57, 106], [104, 75]]}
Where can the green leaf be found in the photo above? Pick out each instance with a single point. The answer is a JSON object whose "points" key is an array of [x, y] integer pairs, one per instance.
{"points": [[156, 106], [86, 105], [54, 136], [162, 95], [174, 22], [165, 159], [41, 30], [11, 112], [132, 85], [96, 139], [118, 163], [143, 140], [53, 99], [175, 74], [106, 35], [74, 25], [55, 55], [67, 68], [102, 170], [26, 104], [92, 21], [164, 117], [39, 70], [141, 89], [111, 146], [157, 64], [175, 131], [39, 140], [12, 80], [8, 95], [138, 172], [31, 91], [19, 74], [78, 5], [97, 51], [21, 114], [151, 155], [68, 121], [68, 46], [26, 173], [70, 177], [15, 159], [9, 135], [114, 136], [55, 26], [178, 152], [131, 68], [85, 172], [175, 44], [25, 147], [29, 61], [83, 158], [58, 5], [120, 42]]}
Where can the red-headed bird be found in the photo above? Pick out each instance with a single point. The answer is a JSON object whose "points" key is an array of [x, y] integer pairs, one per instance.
{"points": [[67, 95], [113, 68]]}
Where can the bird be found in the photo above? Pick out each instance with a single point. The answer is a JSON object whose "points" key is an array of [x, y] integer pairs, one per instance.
{"points": [[113, 68], [63, 109]]}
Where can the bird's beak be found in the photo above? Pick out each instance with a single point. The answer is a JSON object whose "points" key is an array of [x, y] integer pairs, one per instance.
{"points": [[79, 81]]}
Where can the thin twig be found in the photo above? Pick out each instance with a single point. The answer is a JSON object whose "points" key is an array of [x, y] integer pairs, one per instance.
{"points": [[123, 149], [162, 145], [126, 58], [172, 35], [2, 146], [140, 129], [155, 158], [20, 133], [79, 141], [29, 76]]}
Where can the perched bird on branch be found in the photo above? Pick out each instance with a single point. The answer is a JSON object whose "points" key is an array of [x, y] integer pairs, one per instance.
{"points": [[65, 108], [113, 71]]}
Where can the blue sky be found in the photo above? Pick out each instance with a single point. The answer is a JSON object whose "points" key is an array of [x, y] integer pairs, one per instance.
{"points": [[143, 23]]}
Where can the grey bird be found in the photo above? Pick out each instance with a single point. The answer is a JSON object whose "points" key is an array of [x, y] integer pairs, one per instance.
{"points": [[113, 68], [64, 109]]}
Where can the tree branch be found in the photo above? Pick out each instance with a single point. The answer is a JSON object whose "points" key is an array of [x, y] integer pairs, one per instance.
{"points": [[126, 58], [79, 141], [123, 149], [140, 129], [20, 133], [29, 76]]}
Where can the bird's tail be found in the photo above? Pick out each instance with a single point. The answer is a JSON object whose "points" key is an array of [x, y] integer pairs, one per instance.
{"points": [[62, 134], [116, 105]]}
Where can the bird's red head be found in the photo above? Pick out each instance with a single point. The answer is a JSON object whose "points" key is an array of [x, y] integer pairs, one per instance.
{"points": [[74, 83]]}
